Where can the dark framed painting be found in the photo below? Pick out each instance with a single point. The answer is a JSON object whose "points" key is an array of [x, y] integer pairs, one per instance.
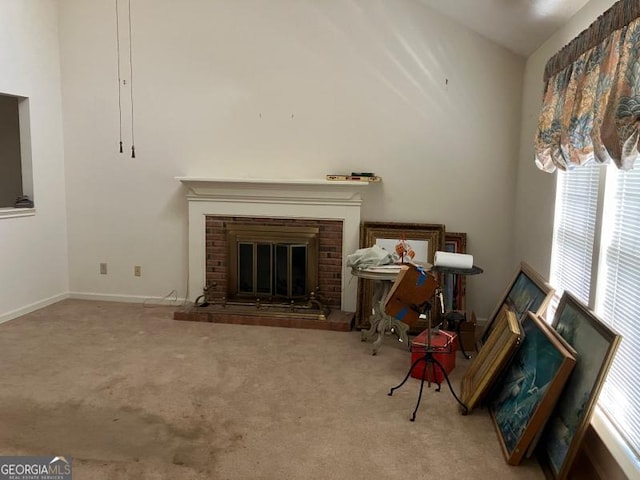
{"points": [[453, 286], [527, 292], [527, 392], [491, 360], [416, 243], [596, 345]]}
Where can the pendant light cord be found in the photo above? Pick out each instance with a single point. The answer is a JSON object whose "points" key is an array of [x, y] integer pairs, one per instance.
{"points": [[119, 76], [133, 143]]}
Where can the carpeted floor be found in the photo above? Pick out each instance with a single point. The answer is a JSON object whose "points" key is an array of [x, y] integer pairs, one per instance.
{"points": [[130, 393]]}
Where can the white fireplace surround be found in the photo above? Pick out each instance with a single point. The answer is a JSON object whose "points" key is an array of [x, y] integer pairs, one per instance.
{"points": [[317, 199]]}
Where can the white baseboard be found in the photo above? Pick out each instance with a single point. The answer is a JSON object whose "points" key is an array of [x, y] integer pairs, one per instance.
{"points": [[110, 297], [5, 317]]}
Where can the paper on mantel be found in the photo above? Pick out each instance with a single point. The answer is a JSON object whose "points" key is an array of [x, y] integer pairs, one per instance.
{"points": [[453, 260]]}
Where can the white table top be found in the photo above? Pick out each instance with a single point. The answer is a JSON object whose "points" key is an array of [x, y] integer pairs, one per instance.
{"points": [[385, 272]]}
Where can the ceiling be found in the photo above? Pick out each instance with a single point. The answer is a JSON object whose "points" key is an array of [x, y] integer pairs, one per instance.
{"points": [[519, 25]]}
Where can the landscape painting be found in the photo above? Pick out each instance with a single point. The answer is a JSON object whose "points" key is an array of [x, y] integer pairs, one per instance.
{"points": [[526, 393], [528, 291], [595, 344]]}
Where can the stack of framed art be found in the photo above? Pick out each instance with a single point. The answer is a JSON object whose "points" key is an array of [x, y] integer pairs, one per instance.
{"points": [[540, 381]]}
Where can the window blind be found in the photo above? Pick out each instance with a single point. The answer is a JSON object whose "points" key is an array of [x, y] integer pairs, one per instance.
{"points": [[574, 233], [619, 300]]}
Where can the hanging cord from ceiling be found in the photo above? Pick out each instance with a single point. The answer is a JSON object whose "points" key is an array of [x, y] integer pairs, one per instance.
{"points": [[119, 76], [121, 81], [133, 143]]}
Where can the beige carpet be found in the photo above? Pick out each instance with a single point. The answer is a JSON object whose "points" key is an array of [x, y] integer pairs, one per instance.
{"points": [[130, 393]]}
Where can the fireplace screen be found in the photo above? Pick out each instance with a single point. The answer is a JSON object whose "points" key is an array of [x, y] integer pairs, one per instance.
{"points": [[270, 261], [272, 269]]}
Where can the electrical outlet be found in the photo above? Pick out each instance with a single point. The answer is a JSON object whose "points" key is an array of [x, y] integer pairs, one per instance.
{"points": [[137, 270], [103, 269]]}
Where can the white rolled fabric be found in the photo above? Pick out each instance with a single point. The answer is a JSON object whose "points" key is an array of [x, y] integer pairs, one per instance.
{"points": [[453, 260]]}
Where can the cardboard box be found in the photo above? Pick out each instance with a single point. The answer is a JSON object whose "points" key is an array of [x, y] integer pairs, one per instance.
{"points": [[413, 287], [443, 345], [464, 323], [468, 332]]}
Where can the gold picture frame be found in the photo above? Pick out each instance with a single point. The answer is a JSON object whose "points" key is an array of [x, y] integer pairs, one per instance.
{"points": [[528, 291], [491, 359], [428, 238], [591, 338]]}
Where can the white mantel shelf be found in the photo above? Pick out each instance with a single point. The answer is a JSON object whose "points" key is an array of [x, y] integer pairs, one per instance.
{"points": [[305, 191], [269, 181], [282, 198]]}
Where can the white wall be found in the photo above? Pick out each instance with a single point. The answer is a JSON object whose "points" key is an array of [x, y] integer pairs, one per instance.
{"points": [[535, 200], [33, 250], [283, 89]]}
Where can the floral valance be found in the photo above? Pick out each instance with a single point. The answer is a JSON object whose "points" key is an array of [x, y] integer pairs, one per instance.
{"points": [[591, 102]]}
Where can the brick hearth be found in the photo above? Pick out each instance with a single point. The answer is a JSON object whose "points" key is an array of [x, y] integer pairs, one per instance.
{"points": [[337, 319], [217, 277]]}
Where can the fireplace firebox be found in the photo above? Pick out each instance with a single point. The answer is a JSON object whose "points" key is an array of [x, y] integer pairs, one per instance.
{"points": [[272, 262]]}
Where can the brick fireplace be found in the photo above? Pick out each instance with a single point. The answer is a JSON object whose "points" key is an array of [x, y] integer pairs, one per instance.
{"points": [[328, 207], [324, 265]]}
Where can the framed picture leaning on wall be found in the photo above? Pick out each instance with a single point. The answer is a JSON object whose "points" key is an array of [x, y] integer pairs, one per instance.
{"points": [[492, 359], [454, 286], [595, 344], [527, 292], [422, 239], [524, 397]]}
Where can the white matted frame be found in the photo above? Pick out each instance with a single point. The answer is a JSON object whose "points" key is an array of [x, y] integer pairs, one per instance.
{"points": [[428, 238]]}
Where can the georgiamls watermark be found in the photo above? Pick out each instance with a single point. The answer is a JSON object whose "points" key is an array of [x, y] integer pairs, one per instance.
{"points": [[35, 468]]}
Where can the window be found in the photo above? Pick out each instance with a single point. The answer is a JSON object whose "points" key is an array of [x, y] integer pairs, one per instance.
{"points": [[596, 256], [574, 232], [618, 298], [15, 151]]}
